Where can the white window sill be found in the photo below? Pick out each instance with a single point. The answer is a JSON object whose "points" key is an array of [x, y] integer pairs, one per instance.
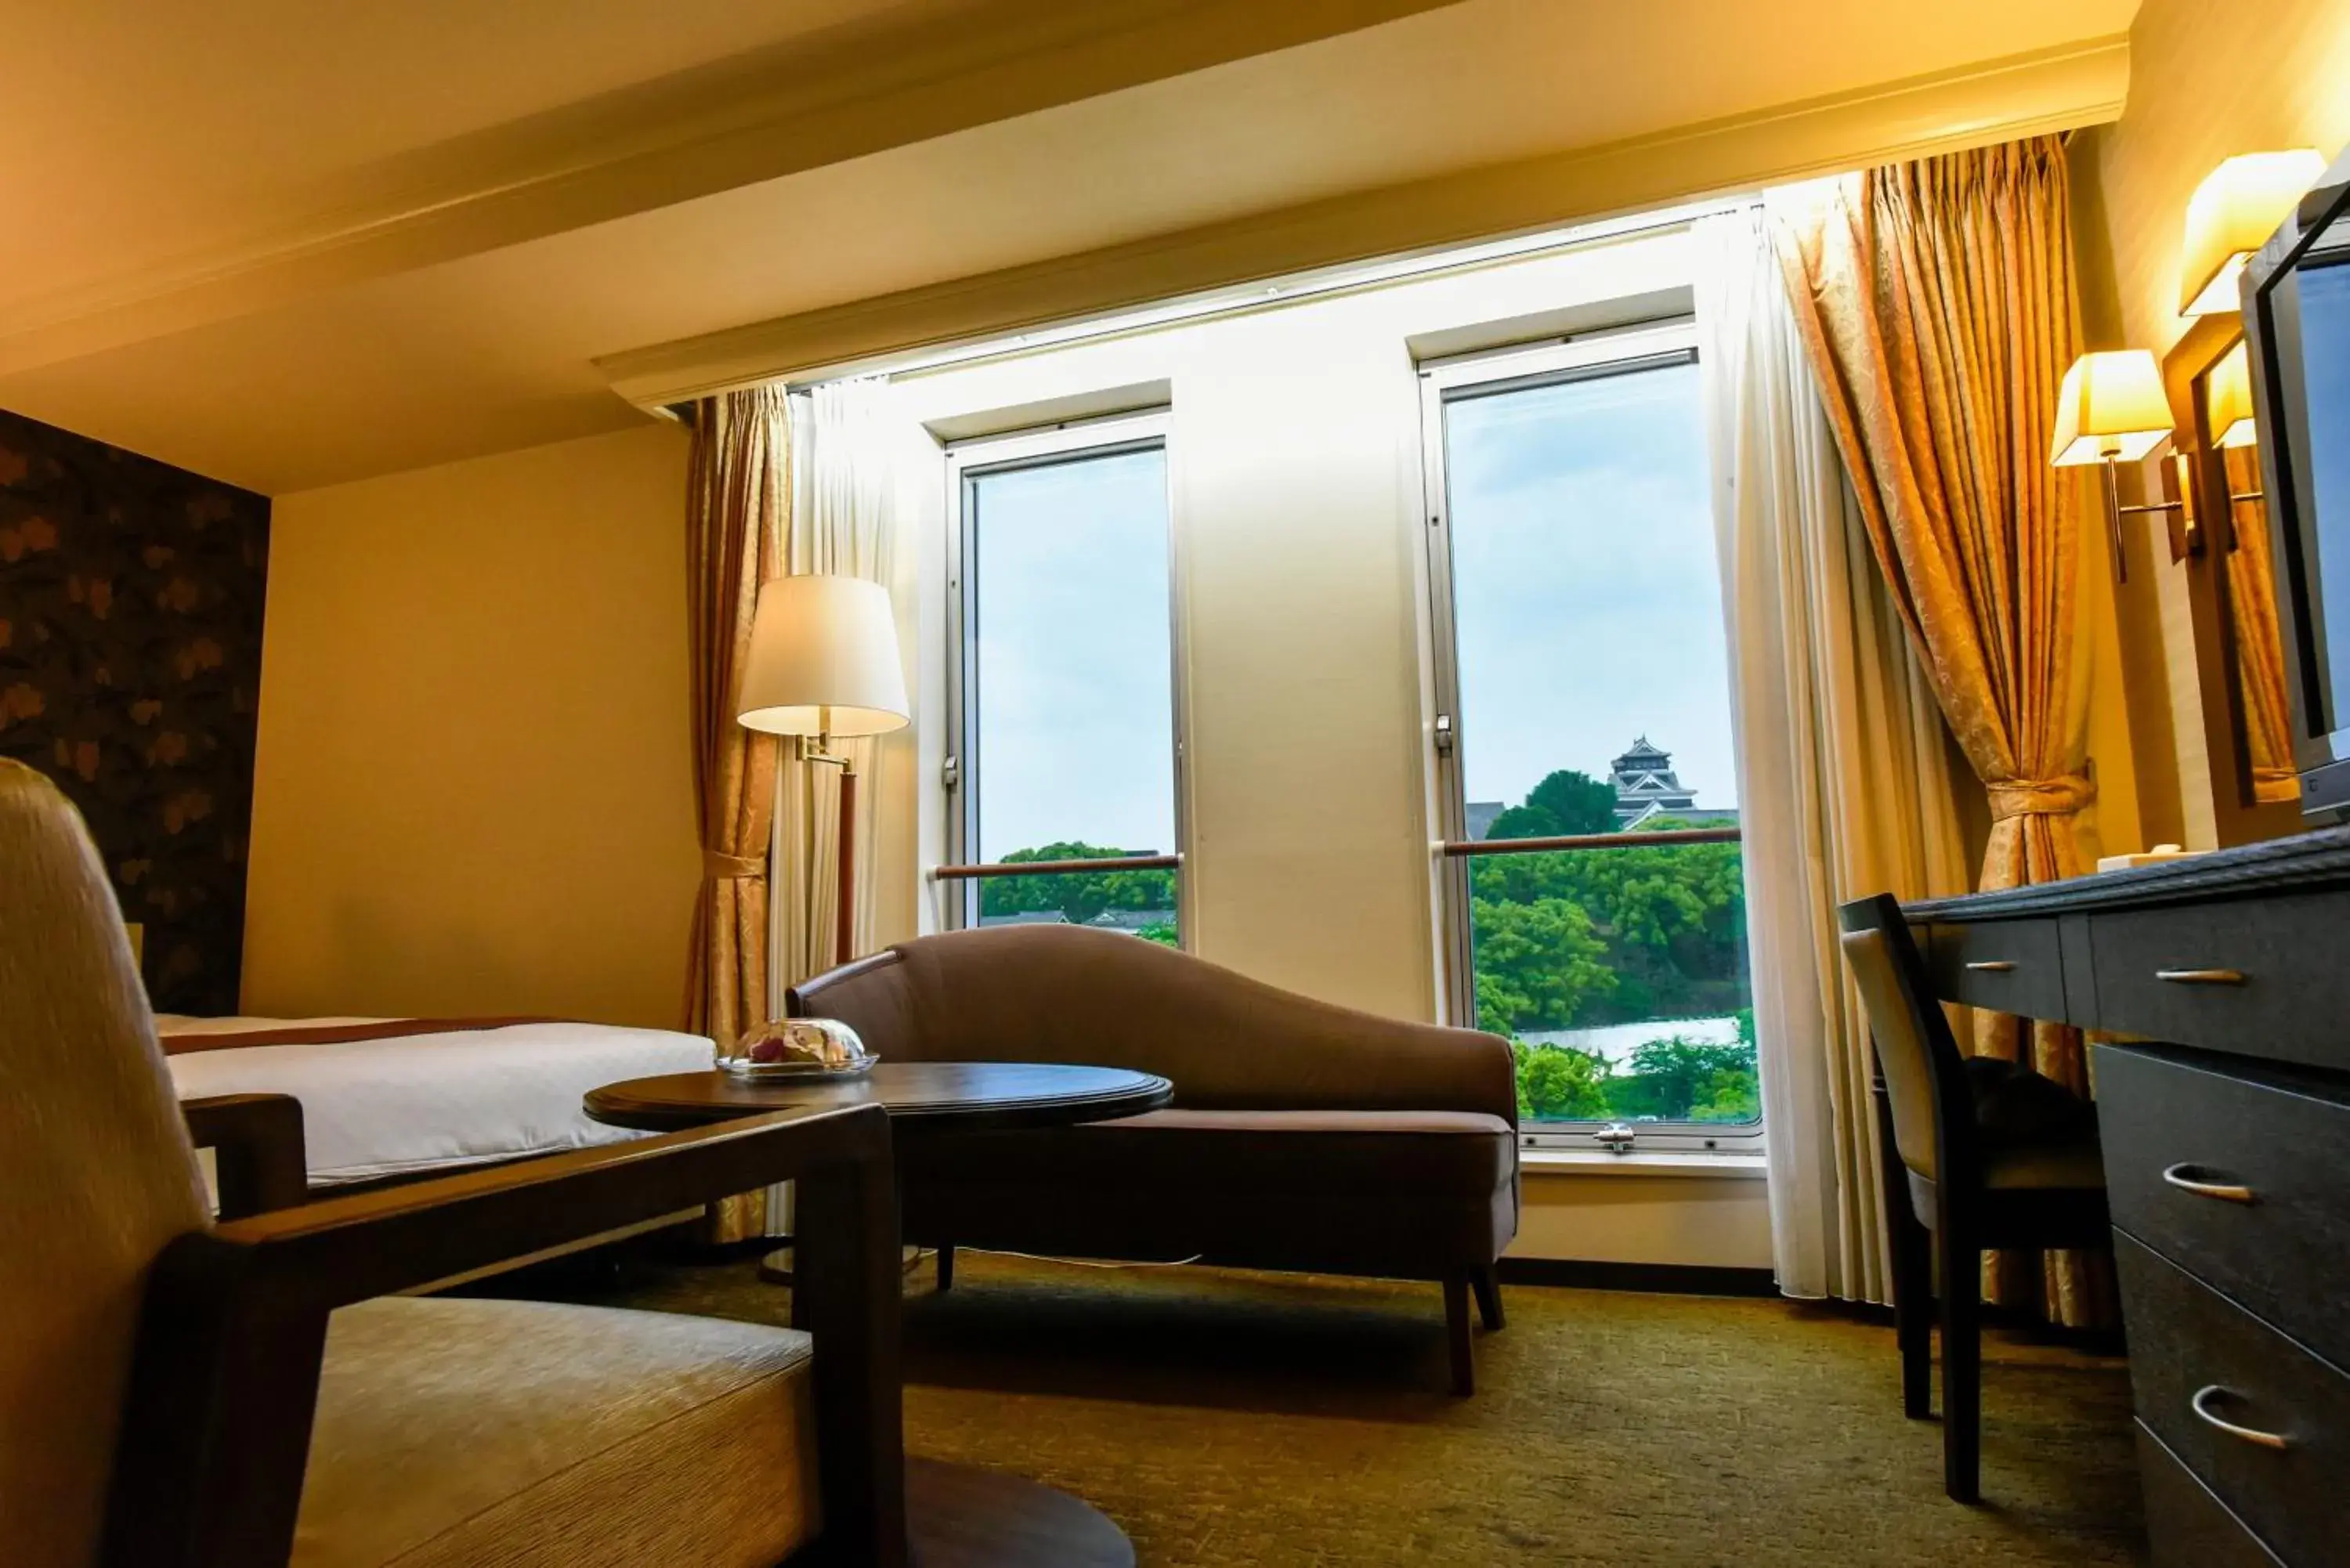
{"points": [[1678, 1162]]}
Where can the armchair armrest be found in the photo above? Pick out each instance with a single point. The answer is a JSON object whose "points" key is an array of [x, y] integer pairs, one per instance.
{"points": [[259, 1153], [225, 1381]]}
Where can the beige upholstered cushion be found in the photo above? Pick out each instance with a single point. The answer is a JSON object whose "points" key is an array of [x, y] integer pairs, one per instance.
{"points": [[525, 1434], [96, 1174]]}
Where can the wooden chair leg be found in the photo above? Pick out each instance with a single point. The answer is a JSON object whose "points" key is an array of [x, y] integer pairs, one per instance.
{"points": [[1913, 1306], [946, 1266], [1961, 1365], [1456, 1333], [1489, 1298]]}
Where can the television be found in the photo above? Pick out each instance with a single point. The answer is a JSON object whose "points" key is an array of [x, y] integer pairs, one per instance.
{"points": [[2296, 294]]}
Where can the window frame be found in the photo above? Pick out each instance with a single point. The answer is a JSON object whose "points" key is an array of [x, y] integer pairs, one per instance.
{"points": [[966, 463], [1495, 372]]}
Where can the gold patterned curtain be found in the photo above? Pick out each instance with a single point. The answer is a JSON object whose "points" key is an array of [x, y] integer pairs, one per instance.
{"points": [[2259, 655], [738, 488], [738, 495], [1936, 300]]}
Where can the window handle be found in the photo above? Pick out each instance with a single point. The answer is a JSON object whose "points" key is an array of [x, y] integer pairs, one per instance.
{"points": [[1991, 966], [1616, 1136], [2201, 1405], [2180, 1176], [1444, 734]]}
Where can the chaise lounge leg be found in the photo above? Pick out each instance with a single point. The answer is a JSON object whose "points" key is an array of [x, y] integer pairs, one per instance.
{"points": [[1489, 1299], [946, 1266], [1456, 1334]]}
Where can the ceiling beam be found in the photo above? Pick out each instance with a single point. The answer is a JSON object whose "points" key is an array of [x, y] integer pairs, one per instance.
{"points": [[2053, 89], [916, 70]]}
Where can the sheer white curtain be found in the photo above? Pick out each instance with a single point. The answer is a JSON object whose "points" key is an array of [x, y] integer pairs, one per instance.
{"points": [[1844, 777], [844, 521]]}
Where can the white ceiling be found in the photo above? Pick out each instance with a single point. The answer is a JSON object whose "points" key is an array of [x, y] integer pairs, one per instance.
{"points": [[299, 244]]}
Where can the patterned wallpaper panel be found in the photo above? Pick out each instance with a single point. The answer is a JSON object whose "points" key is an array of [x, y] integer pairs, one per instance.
{"points": [[131, 597]]}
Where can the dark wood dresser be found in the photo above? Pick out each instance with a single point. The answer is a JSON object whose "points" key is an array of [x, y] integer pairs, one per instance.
{"points": [[2223, 1094]]}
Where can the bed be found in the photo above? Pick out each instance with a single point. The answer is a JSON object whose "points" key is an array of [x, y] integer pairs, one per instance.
{"points": [[386, 1098]]}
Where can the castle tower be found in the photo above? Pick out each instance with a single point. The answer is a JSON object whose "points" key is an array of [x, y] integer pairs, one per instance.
{"points": [[1645, 785]]}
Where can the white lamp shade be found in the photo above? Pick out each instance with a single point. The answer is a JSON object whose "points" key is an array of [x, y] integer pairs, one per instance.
{"points": [[2232, 214], [2111, 405], [824, 659], [2228, 401]]}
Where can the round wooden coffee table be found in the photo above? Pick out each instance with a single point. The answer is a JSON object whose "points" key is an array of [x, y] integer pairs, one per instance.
{"points": [[921, 1096], [957, 1516]]}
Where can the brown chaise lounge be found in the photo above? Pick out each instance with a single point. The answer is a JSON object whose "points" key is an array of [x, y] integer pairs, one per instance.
{"points": [[1302, 1137]]}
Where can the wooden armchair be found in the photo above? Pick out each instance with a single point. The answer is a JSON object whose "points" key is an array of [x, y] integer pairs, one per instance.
{"points": [[176, 1392]]}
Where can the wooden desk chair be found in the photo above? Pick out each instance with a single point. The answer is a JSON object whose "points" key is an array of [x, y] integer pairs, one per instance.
{"points": [[1982, 1167], [176, 1393]]}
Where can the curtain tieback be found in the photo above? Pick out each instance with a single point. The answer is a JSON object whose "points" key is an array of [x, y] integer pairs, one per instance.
{"points": [[2059, 796], [717, 867]]}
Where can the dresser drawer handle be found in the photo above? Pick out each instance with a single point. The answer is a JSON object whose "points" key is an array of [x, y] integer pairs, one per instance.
{"points": [[2200, 1405], [2226, 1191], [2201, 976], [1991, 966]]}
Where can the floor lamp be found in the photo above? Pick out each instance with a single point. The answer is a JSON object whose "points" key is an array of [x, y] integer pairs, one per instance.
{"points": [[824, 664]]}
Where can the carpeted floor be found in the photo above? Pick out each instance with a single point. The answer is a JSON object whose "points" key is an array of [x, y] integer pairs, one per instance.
{"points": [[1236, 1420]]}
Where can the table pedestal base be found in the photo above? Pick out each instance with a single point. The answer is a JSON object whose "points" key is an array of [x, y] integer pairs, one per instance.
{"points": [[959, 1516]]}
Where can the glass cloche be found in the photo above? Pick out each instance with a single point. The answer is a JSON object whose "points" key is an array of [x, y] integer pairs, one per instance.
{"points": [[797, 1048]]}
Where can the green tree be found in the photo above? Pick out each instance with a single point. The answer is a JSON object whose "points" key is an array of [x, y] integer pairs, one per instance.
{"points": [[1676, 1079], [1538, 963], [1565, 801], [1671, 919], [1080, 896], [1560, 1083]]}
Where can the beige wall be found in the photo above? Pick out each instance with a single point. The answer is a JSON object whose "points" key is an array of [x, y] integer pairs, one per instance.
{"points": [[473, 792], [1627, 1213], [2207, 80]]}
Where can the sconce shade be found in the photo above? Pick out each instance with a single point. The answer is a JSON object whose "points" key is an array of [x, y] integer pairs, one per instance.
{"points": [[824, 659], [2232, 214], [2111, 405], [2228, 401]]}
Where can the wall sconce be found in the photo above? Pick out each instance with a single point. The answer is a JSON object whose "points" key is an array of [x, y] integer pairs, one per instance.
{"points": [[2228, 414], [2232, 214], [2228, 401], [2111, 409]]}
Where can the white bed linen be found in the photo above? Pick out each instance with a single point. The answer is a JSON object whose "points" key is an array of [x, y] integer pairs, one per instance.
{"points": [[373, 1108]]}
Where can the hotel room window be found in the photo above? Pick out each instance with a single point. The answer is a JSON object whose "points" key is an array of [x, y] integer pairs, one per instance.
{"points": [[1596, 912], [1063, 681]]}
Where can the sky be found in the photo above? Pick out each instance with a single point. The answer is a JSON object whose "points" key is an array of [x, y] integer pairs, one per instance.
{"points": [[1586, 593], [1074, 689]]}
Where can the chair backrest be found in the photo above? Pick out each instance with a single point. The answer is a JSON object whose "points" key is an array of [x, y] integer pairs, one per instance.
{"points": [[96, 1174], [1924, 1074], [1064, 993]]}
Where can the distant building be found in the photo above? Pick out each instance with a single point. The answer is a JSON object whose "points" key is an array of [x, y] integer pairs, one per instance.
{"points": [[1480, 814], [1647, 789], [1132, 920]]}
